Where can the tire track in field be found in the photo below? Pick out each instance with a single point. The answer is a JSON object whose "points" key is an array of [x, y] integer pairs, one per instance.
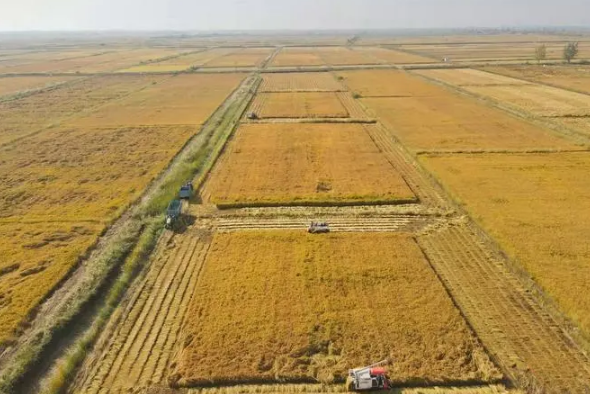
{"points": [[355, 111], [139, 351], [520, 335], [426, 191]]}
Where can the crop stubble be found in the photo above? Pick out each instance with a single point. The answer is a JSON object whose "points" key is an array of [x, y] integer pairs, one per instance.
{"points": [[299, 105]]}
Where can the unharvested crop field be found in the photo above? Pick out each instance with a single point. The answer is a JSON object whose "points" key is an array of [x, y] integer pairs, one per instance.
{"points": [[298, 57], [392, 56], [28, 115], [350, 299], [387, 83], [247, 57], [300, 82], [575, 77], [299, 105], [536, 99], [299, 164], [532, 205], [448, 122], [12, 85], [177, 100], [338, 56]]}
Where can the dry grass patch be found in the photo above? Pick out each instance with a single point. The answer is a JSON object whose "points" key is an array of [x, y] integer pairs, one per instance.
{"points": [[299, 105], [581, 125], [452, 123], [300, 82], [286, 305], [27, 115], [575, 77], [535, 206], [35, 258], [12, 85], [387, 83], [303, 164], [181, 99]]}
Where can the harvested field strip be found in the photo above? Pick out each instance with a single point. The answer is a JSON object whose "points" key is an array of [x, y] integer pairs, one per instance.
{"points": [[575, 78], [519, 334], [424, 189], [449, 122], [304, 164], [300, 82], [384, 55], [247, 57], [337, 56], [245, 325], [355, 111], [180, 100], [299, 105], [297, 57], [139, 350], [31, 114], [539, 100], [469, 77]]}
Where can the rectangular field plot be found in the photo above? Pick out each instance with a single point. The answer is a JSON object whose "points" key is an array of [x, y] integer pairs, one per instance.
{"points": [[392, 56], [469, 77], [300, 82], [387, 83], [305, 164], [181, 63], [575, 77], [35, 257], [12, 85], [453, 123], [29, 114], [285, 305], [338, 56], [298, 105], [537, 99], [178, 100], [297, 57], [247, 57], [535, 206]]}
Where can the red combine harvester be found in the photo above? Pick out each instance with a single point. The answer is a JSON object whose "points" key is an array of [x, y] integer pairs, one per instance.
{"points": [[373, 377]]}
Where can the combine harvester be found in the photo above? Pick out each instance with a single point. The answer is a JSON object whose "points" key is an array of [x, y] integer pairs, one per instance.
{"points": [[373, 377], [175, 208], [318, 228]]}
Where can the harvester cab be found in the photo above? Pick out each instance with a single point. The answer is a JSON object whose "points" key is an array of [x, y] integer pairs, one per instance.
{"points": [[372, 377], [186, 191], [173, 213], [318, 228]]}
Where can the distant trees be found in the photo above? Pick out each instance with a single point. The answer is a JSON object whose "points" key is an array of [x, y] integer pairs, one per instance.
{"points": [[541, 53], [570, 51]]}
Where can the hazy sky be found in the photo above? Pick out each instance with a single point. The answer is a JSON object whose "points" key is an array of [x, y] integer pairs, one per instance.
{"points": [[286, 14]]}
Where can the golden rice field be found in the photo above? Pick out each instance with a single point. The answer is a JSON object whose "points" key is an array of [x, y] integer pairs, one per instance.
{"points": [[338, 56], [186, 99], [392, 56], [247, 57], [13, 85], [535, 206], [286, 305], [182, 62], [299, 164], [470, 77], [28, 115], [297, 57], [575, 77], [299, 105], [386, 83], [299, 82], [536, 99]]}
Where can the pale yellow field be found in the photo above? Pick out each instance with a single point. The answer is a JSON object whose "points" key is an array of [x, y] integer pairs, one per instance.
{"points": [[28, 115], [286, 305], [535, 206], [12, 85], [300, 82], [299, 105], [181, 63], [337, 56], [392, 56], [274, 164], [469, 77], [575, 77], [178, 100], [297, 57], [387, 83], [581, 125]]}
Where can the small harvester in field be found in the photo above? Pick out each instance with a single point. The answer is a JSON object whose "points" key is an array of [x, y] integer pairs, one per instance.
{"points": [[372, 377], [252, 116], [318, 228], [186, 191], [173, 213]]}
